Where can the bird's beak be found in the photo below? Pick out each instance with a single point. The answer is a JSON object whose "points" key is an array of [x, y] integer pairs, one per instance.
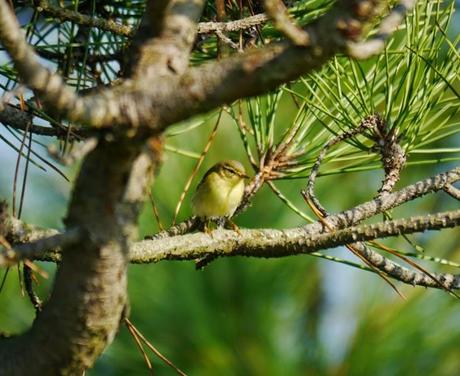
{"points": [[245, 176]]}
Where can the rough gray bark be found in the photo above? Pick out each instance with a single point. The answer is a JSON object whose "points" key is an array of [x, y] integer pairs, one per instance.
{"points": [[89, 293]]}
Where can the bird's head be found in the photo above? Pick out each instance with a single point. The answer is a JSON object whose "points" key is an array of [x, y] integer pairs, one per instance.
{"points": [[231, 171]]}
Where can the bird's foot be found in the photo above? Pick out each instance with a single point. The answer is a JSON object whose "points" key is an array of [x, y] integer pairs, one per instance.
{"points": [[233, 226], [208, 228]]}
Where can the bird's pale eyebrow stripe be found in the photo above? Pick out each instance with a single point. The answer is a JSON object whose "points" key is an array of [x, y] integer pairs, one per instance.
{"points": [[231, 169]]}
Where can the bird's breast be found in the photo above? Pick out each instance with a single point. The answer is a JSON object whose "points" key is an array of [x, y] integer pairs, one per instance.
{"points": [[217, 198]]}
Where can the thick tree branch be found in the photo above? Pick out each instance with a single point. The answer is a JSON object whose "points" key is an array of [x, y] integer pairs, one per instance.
{"points": [[280, 243], [156, 105], [256, 71], [19, 232], [268, 243], [312, 237], [89, 294]]}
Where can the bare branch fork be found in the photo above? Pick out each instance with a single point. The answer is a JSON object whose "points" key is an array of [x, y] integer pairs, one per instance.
{"points": [[393, 159]]}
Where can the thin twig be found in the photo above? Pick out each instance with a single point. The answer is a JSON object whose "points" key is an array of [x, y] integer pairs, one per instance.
{"points": [[154, 349], [227, 40], [16, 169], [139, 344], [211, 137], [18, 119], [83, 19], [28, 284], [156, 214], [392, 155], [367, 123], [26, 170]]}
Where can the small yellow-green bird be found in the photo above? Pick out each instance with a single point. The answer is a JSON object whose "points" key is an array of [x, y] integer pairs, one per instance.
{"points": [[220, 191]]}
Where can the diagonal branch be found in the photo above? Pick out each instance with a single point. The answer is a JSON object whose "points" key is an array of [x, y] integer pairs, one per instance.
{"points": [[257, 71], [158, 104], [452, 191], [379, 205]]}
